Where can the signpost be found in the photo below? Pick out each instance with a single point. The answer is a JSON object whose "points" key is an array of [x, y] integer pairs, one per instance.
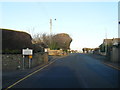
{"points": [[30, 59], [23, 62], [28, 52]]}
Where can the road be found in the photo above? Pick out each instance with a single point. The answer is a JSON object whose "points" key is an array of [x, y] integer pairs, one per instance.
{"points": [[73, 71]]}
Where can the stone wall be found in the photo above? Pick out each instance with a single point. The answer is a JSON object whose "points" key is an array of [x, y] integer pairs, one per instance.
{"points": [[15, 61], [55, 52]]}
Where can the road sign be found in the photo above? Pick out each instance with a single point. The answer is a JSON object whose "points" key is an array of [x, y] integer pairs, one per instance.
{"points": [[30, 56], [46, 49], [27, 51]]}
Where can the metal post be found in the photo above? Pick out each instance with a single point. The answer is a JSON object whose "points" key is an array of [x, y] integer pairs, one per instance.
{"points": [[23, 62], [29, 62]]}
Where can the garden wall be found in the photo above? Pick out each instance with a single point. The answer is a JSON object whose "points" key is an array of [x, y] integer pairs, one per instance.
{"points": [[15, 61]]}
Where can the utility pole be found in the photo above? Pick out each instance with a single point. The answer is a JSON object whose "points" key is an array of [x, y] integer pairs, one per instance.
{"points": [[50, 33], [106, 33], [50, 26], [106, 41]]}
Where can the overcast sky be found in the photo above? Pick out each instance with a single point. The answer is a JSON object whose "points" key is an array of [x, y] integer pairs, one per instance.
{"points": [[88, 23]]}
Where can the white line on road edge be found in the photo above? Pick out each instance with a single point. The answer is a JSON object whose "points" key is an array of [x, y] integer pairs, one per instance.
{"points": [[29, 75]]}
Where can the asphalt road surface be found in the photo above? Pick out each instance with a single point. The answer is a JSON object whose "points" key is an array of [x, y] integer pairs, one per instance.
{"points": [[73, 71]]}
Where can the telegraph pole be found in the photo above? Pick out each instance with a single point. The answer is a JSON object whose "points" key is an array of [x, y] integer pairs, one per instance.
{"points": [[106, 41], [106, 33], [50, 26], [51, 31]]}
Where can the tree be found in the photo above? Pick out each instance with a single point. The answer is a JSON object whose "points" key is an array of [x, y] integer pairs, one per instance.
{"points": [[54, 42], [45, 40], [63, 41]]}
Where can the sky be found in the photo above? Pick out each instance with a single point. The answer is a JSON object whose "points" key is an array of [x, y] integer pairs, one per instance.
{"points": [[87, 23]]}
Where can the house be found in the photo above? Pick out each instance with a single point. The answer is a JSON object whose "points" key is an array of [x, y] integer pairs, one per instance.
{"points": [[111, 49], [105, 47], [115, 52]]}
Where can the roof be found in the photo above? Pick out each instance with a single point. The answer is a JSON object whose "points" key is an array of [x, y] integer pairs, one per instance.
{"points": [[111, 41], [116, 39], [12, 30], [108, 41]]}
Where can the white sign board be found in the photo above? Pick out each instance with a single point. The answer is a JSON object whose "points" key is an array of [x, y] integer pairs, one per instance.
{"points": [[27, 51], [46, 50]]}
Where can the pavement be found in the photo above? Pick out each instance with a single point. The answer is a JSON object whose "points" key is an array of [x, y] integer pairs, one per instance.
{"points": [[72, 71]]}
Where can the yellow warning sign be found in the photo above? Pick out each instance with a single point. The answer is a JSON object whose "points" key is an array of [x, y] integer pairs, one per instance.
{"points": [[30, 56]]}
